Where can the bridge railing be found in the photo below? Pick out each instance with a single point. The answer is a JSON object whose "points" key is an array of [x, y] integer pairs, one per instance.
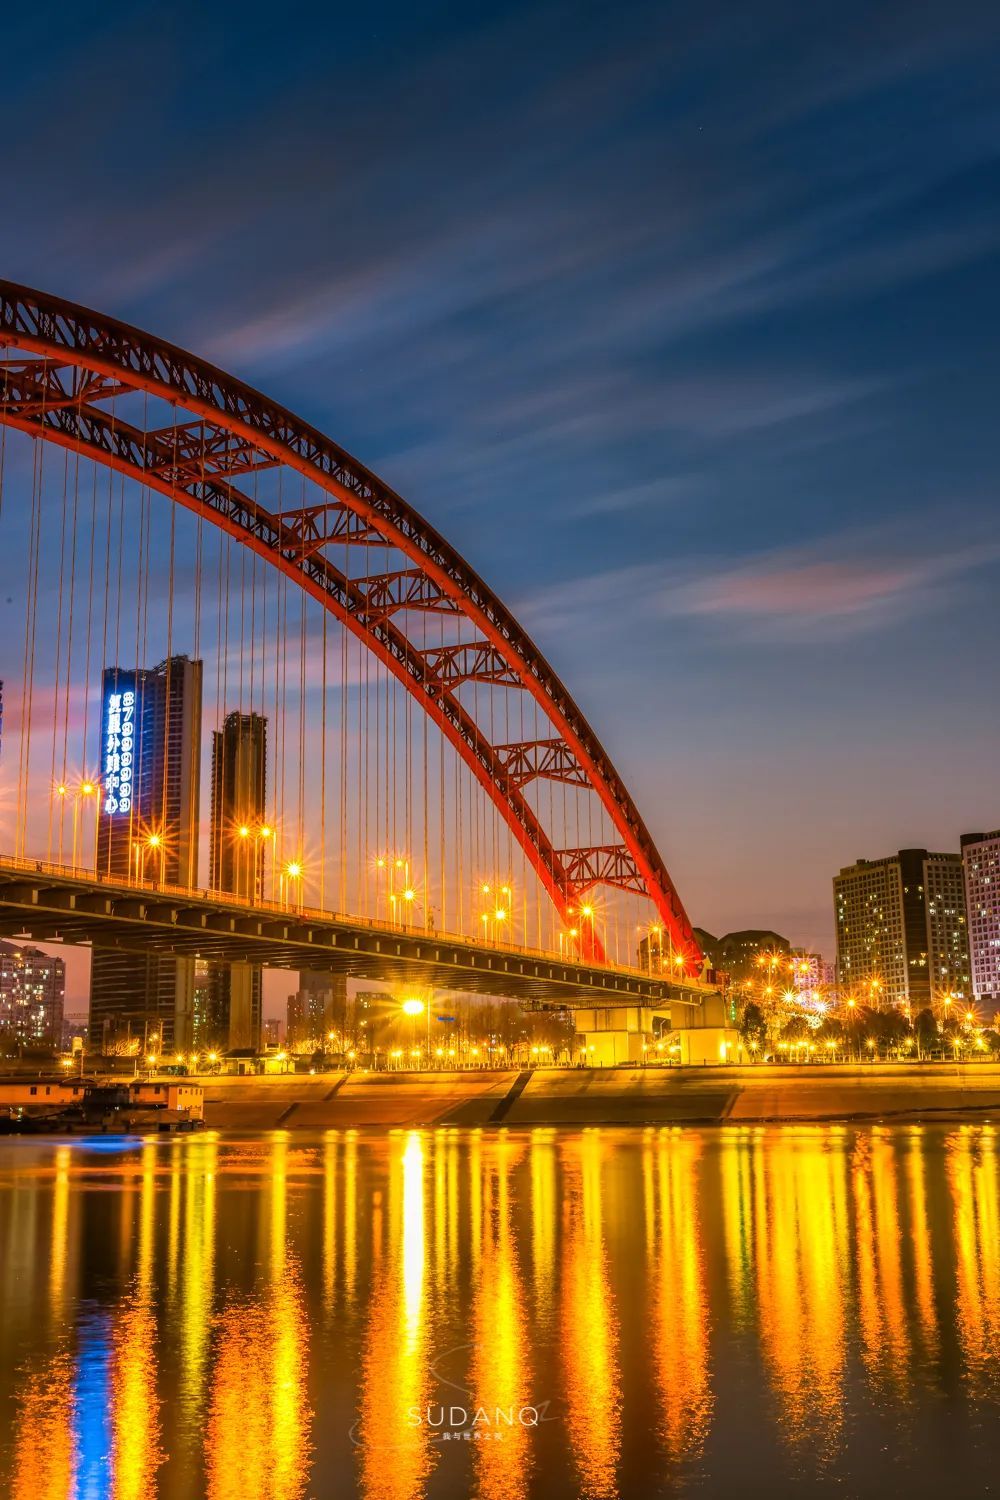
{"points": [[291, 908]]}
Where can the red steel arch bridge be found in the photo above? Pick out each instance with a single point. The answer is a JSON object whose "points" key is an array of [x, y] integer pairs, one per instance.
{"points": [[420, 780]]}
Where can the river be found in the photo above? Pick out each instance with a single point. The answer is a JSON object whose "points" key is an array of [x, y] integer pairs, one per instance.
{"points": [[735, 1311]]}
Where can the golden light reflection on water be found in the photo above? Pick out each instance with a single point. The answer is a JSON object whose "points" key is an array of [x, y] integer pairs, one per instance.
{"points": [[258, 1435], [922, 1301], [588, 1325], [543, 1220], [350, 1216], [885, 1321], [735, 1168], [44, 1464], [394, 1450], [60, 1231], [799, 1255], [680, 1301], [331, 1148], [501, 1366], [975, 1186], [178, 1303]]}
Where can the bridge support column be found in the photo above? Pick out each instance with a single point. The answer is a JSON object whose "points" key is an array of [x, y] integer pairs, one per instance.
{"points": [[606, 1035], [707, 1032]]}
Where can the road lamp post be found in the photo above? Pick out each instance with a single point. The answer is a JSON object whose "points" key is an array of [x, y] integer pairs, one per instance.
{"points": [[85, 791], [289, 880], [415, 1008]]}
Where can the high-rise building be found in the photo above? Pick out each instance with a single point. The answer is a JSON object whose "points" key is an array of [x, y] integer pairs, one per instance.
{"points": [[902, 937], [318, 1007], [32, 994], [148, 830], [296, 1028], [240, 839], [150, 758], [981, 866], [947, 927], [209, 1028], [239, 832]]}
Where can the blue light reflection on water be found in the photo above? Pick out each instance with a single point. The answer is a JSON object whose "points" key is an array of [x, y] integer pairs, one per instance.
{"points": [[108, 1145], [92, 1408]]}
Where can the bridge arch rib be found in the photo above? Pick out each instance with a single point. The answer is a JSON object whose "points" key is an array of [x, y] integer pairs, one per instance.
{"points": [[62, 373]]}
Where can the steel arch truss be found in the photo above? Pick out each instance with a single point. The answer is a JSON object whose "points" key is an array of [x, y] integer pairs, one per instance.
{"points": [[63, 372]]}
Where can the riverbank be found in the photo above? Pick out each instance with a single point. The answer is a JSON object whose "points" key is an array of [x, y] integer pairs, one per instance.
{"points": [[606, 1096]]}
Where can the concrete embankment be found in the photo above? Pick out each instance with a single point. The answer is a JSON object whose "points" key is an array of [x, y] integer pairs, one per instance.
{"points": [[605, 1096]]}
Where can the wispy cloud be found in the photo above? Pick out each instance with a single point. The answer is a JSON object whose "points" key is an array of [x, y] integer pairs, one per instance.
{"points": [[855, 583], [799, 594]]}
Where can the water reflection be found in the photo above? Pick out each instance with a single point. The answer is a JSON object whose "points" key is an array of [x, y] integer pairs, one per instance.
{"points": [[392, 1432], [799, 1259], [975, 1187], [257, 1439], [588, 1328], [136, 1453], [503, 1314], [501, 1370], [680, 1299], [45, 1456]]}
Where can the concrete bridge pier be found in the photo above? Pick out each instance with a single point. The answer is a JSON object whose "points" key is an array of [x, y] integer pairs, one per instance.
{"points": [[610, 1034], [707, 1032], [705, 1028]]}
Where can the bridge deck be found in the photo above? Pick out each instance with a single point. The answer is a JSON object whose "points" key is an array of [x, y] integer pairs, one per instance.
{"points": [[47, 903]]}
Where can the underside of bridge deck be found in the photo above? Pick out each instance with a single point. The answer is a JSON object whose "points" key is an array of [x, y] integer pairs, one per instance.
{"points": [[49, 907]]}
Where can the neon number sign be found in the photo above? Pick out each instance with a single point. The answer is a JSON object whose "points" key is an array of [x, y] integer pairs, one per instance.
{"points": [[119, 752]]}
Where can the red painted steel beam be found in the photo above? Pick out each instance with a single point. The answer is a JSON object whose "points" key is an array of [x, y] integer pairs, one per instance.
{"points": [[346, 604], [61, 331]]}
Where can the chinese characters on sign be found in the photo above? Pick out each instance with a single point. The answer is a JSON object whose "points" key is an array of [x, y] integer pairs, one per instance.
{"points": [[119, 751]]}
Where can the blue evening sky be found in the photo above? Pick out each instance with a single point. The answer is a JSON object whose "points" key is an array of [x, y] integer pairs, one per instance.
{"points": [[680, 321]]}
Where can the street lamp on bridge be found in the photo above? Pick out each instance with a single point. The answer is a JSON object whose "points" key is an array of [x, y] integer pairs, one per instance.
{"points": [[290, 879]]}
